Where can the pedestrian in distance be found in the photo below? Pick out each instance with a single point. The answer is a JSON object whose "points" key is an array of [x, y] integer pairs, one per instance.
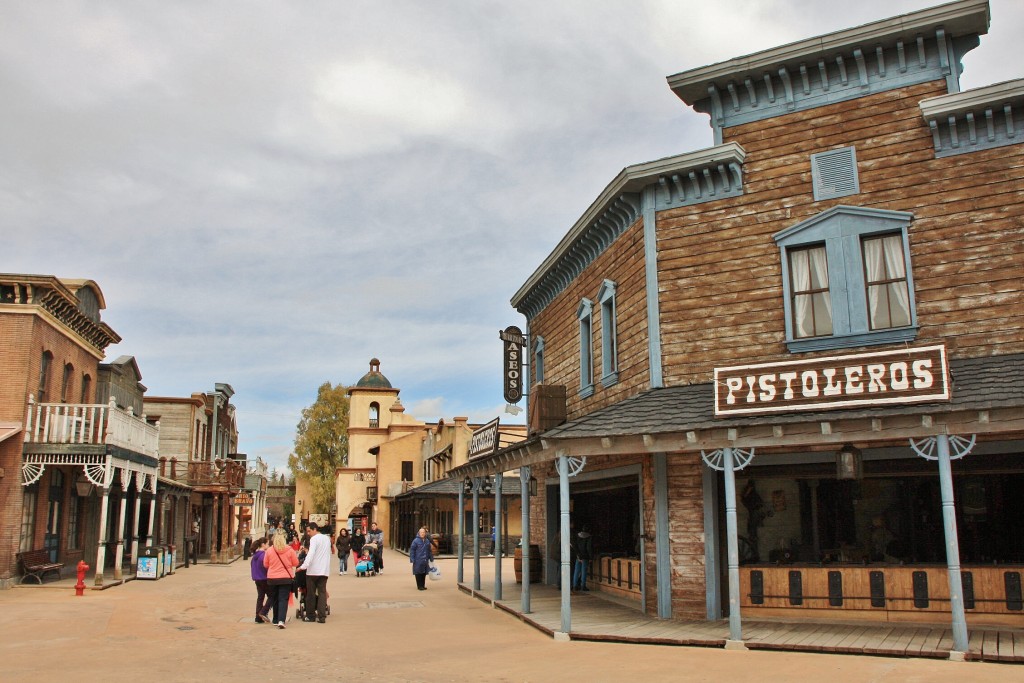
{"points": [[376, 535], [358, 541], [292, 533], [259, 576], [420, 555], [584, 553], [343, 545], [317, 566], [280, 561]]}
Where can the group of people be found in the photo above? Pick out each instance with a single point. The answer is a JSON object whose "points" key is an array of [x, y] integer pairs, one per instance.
{"points": [[281, 571], [286, 564], [367, 548]]}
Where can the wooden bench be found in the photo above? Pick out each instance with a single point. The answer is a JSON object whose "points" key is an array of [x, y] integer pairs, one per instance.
{"points": [[36, 564]]}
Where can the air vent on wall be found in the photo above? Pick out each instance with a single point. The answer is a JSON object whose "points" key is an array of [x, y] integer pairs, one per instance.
{"points": [[835, 173]]}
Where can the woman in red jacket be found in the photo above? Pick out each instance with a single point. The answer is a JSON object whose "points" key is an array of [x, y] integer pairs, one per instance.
{"points": [[280, 561]]}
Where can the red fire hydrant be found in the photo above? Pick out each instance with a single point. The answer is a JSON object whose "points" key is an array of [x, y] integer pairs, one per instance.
{"points": [[80, 586]]}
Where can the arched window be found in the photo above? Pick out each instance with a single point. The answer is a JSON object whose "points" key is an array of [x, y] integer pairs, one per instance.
{"points": [[65, 382], [44, 377], [86, 389], [374, 415]]}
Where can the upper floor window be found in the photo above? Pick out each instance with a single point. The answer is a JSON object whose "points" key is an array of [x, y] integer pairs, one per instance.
{"points": [[538, 360], [585, 314], [609, 334], [847, 279], [885, 273], [65, 382], [374, 415], [44, 377], [86, 394], [407, 470]]}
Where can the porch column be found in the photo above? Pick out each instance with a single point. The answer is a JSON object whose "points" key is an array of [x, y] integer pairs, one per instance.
{"points": [[460, 574], [735, 626], [498, 539], [663, 558], [119, 552], [101, 550], [562, 464], [152, 514], [476, 533], [956, 588], [135, 521], [524, 497]]}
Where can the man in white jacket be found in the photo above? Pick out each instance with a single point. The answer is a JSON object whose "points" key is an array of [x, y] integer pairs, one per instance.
{"points": [[317, 566]]}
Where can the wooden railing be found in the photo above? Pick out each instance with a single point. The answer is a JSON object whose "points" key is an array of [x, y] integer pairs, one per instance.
{"points": [[90, 424], [220, 472], [617, 575]]}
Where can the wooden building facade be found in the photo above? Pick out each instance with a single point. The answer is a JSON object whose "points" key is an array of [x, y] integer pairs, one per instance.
{"points": [[794, 361]]}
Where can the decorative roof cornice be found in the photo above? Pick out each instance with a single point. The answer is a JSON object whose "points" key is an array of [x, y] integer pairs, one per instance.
{"points": [[976, 119], [691, 178], [883, 55], [53, 296]]}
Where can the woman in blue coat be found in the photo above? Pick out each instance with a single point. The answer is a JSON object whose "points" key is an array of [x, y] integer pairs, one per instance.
{"points": [[420, 555]]}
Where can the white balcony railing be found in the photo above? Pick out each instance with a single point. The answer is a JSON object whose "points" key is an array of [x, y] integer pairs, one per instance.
{"points": [[90, 424]]}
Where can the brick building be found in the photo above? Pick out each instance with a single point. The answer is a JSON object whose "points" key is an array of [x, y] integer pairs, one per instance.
{"points": [[77, 462], [794, 360]]}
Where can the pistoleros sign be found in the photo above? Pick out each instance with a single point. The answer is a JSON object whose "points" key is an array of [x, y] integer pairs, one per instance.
{"points": [[514, 343], [484, 440], [910, 375]]}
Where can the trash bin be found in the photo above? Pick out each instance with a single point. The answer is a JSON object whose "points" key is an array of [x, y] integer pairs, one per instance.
{"points": [[149, 562]]}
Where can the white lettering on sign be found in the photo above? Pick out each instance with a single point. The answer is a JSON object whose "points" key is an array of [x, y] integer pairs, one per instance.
{"points": [[484, 441], [908, 375]]}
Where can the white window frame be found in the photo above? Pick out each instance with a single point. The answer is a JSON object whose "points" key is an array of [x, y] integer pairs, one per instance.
{"points": [[842, 229], [585, 315], [538, 360], [609, 334]]}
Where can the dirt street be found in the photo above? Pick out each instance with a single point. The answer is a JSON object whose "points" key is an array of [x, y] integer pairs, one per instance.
{"points": [[197, 625]]}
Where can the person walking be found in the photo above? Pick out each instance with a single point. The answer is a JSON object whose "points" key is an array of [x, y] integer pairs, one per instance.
{"points": [[584, 553], [358, 541], [420, 555], [343, 544], [280, 561], [259, 576], [376, 535], [317, 566]]}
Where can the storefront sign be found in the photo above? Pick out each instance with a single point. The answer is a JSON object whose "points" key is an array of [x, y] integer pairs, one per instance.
{"points": [[484, 440], [910, 375], [242, 500], [512, 338]]}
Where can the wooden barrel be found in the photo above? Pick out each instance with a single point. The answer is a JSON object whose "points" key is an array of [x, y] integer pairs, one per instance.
{"points": [[535, 564]]}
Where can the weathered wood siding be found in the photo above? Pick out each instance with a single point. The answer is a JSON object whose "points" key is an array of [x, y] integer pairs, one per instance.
{"points": [[719, 269], [622, 263]]}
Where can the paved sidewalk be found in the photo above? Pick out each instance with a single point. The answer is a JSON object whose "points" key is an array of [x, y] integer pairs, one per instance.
{"points": [[198, 626]]}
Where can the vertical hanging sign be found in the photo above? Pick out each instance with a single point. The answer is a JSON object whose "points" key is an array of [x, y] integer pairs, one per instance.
{"points": [[512, 339]]}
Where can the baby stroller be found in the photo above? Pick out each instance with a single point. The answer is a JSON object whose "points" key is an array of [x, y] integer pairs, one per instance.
{"points": [[299, 588], [365, 565]]}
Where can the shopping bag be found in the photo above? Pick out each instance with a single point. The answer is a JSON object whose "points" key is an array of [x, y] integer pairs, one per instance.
{"points": [[435, 572]]}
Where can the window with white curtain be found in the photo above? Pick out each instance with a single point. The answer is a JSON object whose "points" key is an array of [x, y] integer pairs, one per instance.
{"points": [[28, 518], [847, 279], [812, 300], [886, 279], [538, 360]]}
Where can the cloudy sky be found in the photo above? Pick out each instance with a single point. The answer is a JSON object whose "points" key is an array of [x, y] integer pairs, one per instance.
{"points": [[271, 193]]}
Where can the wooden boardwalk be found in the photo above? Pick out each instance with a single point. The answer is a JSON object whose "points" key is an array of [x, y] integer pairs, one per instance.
{"points": [[597, 618]]}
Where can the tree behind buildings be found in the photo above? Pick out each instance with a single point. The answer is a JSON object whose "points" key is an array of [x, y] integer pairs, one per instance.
{"points": [[321, 444]]}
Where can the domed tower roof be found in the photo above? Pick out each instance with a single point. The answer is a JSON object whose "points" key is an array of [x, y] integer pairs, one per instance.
{"points": [[373, 379]]}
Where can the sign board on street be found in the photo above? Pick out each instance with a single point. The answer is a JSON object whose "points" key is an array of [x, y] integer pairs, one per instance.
{"points": [[908, 375], [484, 440], [513, 341]]}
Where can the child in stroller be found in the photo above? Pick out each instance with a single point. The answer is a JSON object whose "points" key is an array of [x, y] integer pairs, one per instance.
{"points": [[365, 566]]}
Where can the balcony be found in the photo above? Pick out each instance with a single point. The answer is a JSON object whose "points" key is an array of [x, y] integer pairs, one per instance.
{"points": [[72, 425]]}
